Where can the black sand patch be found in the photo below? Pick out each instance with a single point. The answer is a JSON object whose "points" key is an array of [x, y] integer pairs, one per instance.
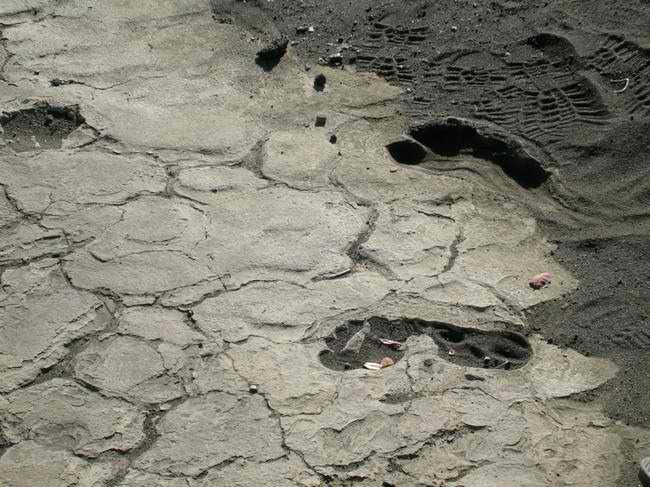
{"points": [[608, 316], [40, 127], [468, 347]]}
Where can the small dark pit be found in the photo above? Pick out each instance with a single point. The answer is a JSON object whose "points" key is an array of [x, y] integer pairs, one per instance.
{"points": [[319, 82], [407, 152]]}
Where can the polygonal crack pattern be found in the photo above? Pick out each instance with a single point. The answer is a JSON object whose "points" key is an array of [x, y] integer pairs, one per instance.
{"points": [[359, 341], [43, 126]]}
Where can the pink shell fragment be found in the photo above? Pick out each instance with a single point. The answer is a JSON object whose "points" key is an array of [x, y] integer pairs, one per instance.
{"points": [[541, 280], [387, 362]]}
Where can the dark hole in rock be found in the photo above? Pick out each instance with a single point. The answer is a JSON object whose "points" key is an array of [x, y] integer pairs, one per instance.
{"points": [[269, 56], [355, 342], [453, 138], [44, 126], [406, 152]]}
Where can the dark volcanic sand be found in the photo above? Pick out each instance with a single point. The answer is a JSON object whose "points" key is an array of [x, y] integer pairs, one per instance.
{"points": [[570, 78]]}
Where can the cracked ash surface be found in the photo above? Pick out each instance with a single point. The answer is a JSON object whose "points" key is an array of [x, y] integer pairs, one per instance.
{"points": [[175, 230]]}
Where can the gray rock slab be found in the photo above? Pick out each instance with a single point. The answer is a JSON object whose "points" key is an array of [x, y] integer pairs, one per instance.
{"points": [[150, 224], [29, 464], [287, 233], [152, 323], [40, 314], [409, 243], [135, 478], [220, 223], [284, 472], [147, 273], [61, 413], [8, 214], [217, 374], [300, 385], [302, 159], [283, 311], [26, 242], [37, 182], [198, 182], [80, 223], [128, 367], [208, 430]]}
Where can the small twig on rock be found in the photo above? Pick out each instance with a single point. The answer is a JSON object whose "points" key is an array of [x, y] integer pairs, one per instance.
{"points": [[391, 343], [627, 82]]}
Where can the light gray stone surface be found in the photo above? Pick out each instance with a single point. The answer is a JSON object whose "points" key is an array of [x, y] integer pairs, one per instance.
{"points": [[40, 316], [62, 413], [29, 464], [206, 431], [199, 236], [129, 367]]}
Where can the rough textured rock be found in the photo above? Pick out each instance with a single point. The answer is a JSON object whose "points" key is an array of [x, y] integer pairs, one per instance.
{"points": [[211, 429], [284, 472], [158, 324], [291, 387], [150, 224], [302, 159], [284, 311], [8, 214], [199, 236], [288, 234], [134, 478], [147, 273], [28, 242], [40, 315], [129, 367], [61, 413], [78, 178], [217, 373], [408, 243], [80, 223], [29, 464]]}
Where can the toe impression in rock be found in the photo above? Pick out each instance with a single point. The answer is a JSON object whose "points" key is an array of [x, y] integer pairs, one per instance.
{"points": [[540, 281]]}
